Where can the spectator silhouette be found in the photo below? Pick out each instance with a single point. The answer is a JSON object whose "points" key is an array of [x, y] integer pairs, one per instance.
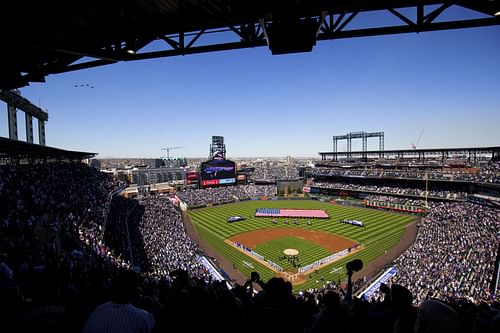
{"points": [[435, 316], [120, 315], [228, 312], [494, 325], [333, 318], [198, 313], [406, 314], [275, 304]]}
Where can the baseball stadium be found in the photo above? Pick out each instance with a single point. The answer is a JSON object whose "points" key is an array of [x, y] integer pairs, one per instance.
{"points": [[114, 219]]}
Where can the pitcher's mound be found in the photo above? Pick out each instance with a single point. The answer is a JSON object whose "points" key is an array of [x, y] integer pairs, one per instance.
{"points": [[290, 252]]}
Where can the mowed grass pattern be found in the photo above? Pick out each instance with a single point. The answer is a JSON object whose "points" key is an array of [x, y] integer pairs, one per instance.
{"points": [[308, 251], [382, 231]]}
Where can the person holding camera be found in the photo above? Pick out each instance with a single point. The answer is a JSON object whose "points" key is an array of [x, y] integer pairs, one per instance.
{"points": [[351, 266]]}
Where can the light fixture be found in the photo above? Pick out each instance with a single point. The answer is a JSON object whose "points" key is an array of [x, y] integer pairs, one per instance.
{"points": [[497, 13], [130, 46]]}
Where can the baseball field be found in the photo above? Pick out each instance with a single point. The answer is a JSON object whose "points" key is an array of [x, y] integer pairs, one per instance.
{"points": [[251, 244]]}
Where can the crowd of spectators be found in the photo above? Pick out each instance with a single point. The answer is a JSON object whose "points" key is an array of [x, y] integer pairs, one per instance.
{"points": [[490, 173], [454, 253], [486, 174], [273, 171], [116, 227], [203, 197], [397, 200], [53, 258], [165, 241], [56, 196], [55, 268], [443, 194], [193, 305], [149, 234]]}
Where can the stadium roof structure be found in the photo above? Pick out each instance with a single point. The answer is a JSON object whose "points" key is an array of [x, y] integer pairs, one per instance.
{"points": [[41, 38], [23, 150], [420, 154]]}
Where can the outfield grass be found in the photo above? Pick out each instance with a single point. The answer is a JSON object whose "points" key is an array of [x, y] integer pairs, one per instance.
{"points": [[382, 231]]}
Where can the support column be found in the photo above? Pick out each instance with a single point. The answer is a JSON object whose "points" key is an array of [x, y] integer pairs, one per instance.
{"points": [[364, 138], [381, 144], [29, 127], [349, 143], [12, 115], [41, 132], [335, 141]]}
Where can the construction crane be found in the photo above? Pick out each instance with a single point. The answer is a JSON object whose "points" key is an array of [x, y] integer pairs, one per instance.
{"points": [[414, 145], [168, 151]]}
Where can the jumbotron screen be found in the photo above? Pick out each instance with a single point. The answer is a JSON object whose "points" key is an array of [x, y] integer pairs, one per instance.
{"points": [[218, 172]]}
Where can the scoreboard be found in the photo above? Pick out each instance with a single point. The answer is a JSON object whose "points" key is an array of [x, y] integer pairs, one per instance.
{"points": [[218, 172]]}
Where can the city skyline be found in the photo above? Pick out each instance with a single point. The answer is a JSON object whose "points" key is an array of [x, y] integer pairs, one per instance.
{"points": [[443, 85]]}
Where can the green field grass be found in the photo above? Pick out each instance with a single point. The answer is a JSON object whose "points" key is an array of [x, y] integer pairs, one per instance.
{"points": [[308, 251], [382, 231]]}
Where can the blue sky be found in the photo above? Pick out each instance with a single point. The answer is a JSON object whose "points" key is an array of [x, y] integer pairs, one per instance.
{"points": [[446, 83]]}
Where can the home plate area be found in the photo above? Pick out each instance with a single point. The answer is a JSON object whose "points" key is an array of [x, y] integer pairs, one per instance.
{"points": [[293, 253]]}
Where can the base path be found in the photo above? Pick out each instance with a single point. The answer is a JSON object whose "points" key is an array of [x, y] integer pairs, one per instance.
{"points": [[331, 242]]}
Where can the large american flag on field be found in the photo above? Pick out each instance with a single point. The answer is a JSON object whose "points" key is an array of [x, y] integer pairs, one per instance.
{"points": [[287, 212]]}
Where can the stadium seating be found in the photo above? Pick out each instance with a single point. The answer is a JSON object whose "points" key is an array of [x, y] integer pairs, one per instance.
{"points": [[56, 263]]}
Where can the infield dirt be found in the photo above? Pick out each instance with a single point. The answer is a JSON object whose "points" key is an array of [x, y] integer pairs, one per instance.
{"points": [[331, 242]]}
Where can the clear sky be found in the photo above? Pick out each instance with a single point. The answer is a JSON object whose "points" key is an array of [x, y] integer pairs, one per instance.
{"points": [[445, 83]]}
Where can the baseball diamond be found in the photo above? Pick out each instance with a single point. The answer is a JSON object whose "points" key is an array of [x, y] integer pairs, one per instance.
{"points": [[262, 240]]}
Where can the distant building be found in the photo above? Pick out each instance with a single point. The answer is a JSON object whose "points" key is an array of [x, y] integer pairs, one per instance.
{"points": [[305, 171], [175, 163], [151, 162], [124, 176], [158, 175]]}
